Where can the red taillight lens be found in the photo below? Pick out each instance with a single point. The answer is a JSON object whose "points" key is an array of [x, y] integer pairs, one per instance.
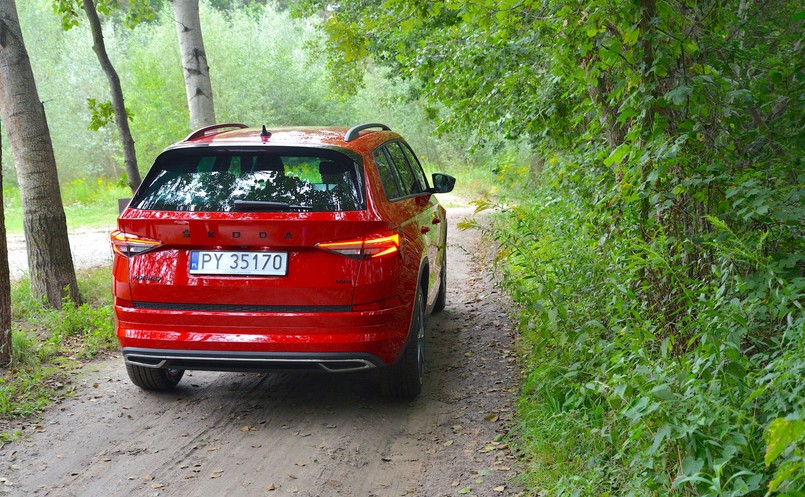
{"points": [[368, 247], [129, 245]]}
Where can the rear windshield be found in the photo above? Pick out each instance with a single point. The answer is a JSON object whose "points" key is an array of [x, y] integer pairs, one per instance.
{"points": [[265, 180]]}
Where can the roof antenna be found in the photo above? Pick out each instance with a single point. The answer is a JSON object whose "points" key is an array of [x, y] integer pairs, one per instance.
{"points": [[265, 134]]}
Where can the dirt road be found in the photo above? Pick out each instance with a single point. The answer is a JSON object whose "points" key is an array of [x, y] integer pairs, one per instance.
{"points": [[89, 248], [277, 434]]}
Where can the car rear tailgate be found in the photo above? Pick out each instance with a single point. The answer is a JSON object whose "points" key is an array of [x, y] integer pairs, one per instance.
{"points": [[314, 278]]}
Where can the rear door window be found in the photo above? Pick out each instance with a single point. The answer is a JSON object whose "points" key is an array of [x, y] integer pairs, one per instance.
{"points": [[387, 175], [205, 180], [409, 183], [415, 165]]}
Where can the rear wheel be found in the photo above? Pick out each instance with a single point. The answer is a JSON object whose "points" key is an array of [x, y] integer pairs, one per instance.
{"points": [[154, 379], [404, 378]]}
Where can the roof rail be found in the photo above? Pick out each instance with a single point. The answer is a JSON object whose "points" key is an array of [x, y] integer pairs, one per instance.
{"points": [[206, 130], [354, 132]]}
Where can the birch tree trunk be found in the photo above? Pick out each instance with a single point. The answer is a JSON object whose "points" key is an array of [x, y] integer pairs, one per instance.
{"points": [[194, 63], [49, 260], [118, 105], [5, 279]]}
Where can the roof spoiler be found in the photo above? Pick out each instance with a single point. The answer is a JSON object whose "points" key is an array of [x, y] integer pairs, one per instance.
{"points": [[355, 131], [207, 129]]}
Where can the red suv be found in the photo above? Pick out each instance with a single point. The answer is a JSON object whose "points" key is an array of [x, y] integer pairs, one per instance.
{"points": [[294, 248]]}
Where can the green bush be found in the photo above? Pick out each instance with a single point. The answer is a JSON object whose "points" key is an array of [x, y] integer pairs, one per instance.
{"points": [[655, 365]]}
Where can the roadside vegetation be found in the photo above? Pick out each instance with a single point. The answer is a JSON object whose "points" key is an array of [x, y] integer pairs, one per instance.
{"points": [[669, 363], [49, 344]]}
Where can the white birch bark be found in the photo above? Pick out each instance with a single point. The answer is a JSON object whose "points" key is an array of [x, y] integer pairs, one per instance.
{"points": [[194, 63]]}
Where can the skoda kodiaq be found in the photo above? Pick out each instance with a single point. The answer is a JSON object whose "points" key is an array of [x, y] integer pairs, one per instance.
{"points": [[250, 249]]}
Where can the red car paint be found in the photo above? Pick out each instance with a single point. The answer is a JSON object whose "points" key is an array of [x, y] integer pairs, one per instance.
{"points": [[347, 297]]}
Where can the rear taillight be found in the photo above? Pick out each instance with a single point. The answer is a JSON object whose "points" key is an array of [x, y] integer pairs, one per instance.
{"points": [[368, 247], [129, 245]]}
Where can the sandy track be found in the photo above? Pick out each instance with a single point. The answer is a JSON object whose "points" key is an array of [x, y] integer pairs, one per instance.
{"points": [[89, 248], [233, 434]]}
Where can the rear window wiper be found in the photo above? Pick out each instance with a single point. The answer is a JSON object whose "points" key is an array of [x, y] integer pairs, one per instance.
{"points": [[267, 205]]}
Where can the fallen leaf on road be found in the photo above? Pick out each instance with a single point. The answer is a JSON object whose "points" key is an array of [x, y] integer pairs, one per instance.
{"points": [[500, 488], [217, 474]]}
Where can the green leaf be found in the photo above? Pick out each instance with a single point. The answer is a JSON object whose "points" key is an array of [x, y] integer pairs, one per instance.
{"points": [[785, 472], [661, 435], [691, 465], [779, 435], [679, 95], [617, 155]]}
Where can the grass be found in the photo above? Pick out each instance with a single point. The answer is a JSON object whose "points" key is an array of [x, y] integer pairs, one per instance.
{"points": [[87, 204], [49, 343]]}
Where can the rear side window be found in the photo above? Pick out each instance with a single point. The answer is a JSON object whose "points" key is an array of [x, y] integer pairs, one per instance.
{"points": [[415, 165], [387, 178], [409, 183], [205, 180]]}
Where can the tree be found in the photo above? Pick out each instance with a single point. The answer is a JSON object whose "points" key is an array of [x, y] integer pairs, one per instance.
{"points": [[118, 104], [49, 259], [194, 63], [5, 280], [69, 11]]}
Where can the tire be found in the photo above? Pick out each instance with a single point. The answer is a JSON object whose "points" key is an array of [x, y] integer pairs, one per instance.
{"points": [[441, 297], [403, 379], [159, 380]]}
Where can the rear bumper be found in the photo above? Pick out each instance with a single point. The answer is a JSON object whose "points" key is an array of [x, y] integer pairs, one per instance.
{"points": [[331, 341], [249, 361]]}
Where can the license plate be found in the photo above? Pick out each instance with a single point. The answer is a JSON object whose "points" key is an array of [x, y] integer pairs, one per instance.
{"points": [[239, 263]]}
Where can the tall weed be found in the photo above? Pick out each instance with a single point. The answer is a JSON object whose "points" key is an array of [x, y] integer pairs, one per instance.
{"points": [[658, 364]]}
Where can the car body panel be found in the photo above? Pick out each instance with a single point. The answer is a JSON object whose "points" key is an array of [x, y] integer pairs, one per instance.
{"points": [[327, 303]]}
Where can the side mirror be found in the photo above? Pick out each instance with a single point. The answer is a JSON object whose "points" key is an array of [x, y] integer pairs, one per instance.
{"points": [[443, 183]]}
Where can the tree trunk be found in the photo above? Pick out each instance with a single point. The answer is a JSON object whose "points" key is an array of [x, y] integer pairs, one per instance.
{"points": [[5, 279], [49, 261], [118, 105], [194, 63]]}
